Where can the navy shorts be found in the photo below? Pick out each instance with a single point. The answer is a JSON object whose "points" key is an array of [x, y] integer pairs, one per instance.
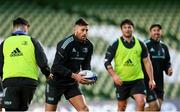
{"points": [[129, 88], [153, 95], [53, 94], [18, 98]]}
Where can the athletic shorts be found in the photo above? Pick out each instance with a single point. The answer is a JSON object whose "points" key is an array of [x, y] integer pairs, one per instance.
{"points": [[128, 89], [53, 94], [18, 98], [153, 95]]}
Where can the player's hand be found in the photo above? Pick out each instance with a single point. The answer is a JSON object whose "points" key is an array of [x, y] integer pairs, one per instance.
{"points": [[152, 84], [170, 71], [79, 78], [50, 77], [117, 80]]}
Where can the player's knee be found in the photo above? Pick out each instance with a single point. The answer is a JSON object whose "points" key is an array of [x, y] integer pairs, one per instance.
{"points": [[140, 103], [84, 108], [154, 106], [50, 107], [122, 107]]}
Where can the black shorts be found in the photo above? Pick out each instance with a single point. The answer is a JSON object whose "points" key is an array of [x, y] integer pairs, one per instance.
{"points": [[53, 94], [128, 89], [153, 95], [18, 98]]}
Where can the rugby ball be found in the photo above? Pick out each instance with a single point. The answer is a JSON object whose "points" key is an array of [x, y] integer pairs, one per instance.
{"points": [[88, 74]]}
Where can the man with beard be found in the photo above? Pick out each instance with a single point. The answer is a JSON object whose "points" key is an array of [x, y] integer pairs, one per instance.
{"points": [[73, 54], [128, 77], [159, 55]]}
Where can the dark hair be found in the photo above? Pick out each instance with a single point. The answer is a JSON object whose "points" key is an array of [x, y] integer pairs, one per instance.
{"points": [[20, 21], [155, 25], [81, 21], [126, 21]]}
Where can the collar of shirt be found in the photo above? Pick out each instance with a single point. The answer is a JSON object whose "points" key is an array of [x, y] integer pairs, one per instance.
{"points": [[19, 33], [127, 44], [154, 41], [125, 41]]}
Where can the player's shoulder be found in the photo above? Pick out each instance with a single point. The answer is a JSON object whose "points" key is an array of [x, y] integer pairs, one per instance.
{"points": [[65, 42], [147, 41], [115, 42], [135, 38], [35, 41], [163, 44], [89, 43], [139, 40]]}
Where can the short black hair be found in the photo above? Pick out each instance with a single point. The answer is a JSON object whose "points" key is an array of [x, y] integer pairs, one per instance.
{"points": [[20, 21], [126, 21], [81, 21], [155, 25]]}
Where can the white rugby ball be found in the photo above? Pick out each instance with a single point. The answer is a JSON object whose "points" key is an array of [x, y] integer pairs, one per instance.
{"points": [[88, 74]]}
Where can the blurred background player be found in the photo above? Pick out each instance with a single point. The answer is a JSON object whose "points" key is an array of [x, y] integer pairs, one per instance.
{"points": [[128, 76], [19, 56], [160, 58], [73, 54]]}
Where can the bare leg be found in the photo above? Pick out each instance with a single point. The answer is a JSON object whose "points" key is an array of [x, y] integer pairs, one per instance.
{"points": [[160, 103], [50, 107], [140, 103], [122, 105], [152, 106], [79, 103]]}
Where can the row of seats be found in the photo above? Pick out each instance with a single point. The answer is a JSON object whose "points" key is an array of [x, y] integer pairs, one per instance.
{"points": [[142, 15], [47, 24], [44, 19]]}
